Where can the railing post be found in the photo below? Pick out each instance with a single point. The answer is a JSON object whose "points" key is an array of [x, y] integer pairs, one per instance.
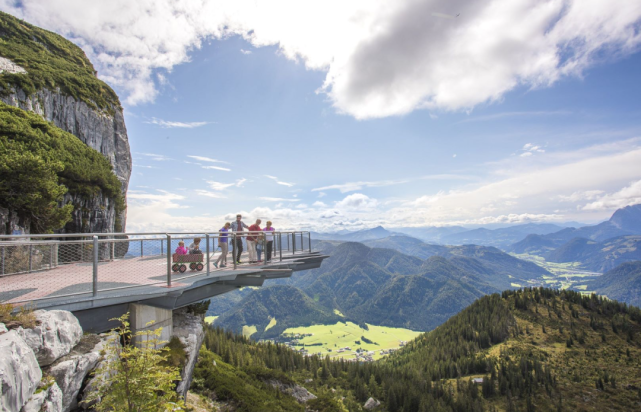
{"points": [[51, 257], [95, 265], [309, 241], [168, 260], [162, 247], [293, 243], [3, 255], [30, 258], [112, 246], [234, 251], [207, 238], [141, 249], [280, 245]]}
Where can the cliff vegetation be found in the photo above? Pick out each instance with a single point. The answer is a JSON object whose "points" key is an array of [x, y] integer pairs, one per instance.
{"points": [[40, 162], [51, 62]]}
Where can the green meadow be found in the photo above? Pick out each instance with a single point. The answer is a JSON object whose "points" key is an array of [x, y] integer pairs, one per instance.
{"points": [[342, 334], [568, 275]]}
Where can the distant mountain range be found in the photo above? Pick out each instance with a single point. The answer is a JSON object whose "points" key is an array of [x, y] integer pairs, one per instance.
{"points": [[359, 236], [598, 248], [499, 237], [494, 266], [379, 286], [598, 256]]}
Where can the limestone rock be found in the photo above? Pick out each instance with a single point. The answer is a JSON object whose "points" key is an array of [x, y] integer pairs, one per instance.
{"points": [[49, 400], [71, 371], [98, 129], [105, 341], [19, 372], [301, 394], [371, 404], [3, 329], [8, 66], [56, 334], [189, 329]]}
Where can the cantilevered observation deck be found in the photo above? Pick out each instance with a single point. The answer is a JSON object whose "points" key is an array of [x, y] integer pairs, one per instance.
{"points": [[98, 276]]}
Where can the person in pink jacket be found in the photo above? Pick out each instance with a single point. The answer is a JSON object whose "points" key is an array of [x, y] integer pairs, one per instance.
{"points": [[181, 249]]}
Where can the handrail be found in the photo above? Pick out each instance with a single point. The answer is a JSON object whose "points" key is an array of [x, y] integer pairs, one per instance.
{"points": [[110, 261]]}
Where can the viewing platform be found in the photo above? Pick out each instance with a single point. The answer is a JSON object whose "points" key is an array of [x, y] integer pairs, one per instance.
{"points": [[97, 276]]}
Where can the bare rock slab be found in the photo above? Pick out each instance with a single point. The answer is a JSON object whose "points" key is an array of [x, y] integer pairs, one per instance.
{"points": [[57, 332], [19, 372]]}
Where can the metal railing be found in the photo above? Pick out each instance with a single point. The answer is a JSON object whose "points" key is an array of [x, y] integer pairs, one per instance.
{"points": [[35, 267]]}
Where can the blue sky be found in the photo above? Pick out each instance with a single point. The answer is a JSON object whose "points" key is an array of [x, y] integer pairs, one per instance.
{"points": [[517, 112]]}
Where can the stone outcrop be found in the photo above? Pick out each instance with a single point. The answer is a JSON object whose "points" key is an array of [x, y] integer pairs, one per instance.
{"points": [[49, 400], [56, 333], [189, 329], [299, 393], [371, 404], [19, 372], [98, 129], [70, 371]]}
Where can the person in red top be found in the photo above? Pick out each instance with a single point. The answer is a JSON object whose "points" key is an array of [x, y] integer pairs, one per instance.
{"points": [[252, 240]]}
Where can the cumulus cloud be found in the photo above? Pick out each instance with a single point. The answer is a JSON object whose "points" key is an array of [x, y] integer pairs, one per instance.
{"points": [[245, 51], [169, 124], [381, 58], [629, 195], [357, 201]]}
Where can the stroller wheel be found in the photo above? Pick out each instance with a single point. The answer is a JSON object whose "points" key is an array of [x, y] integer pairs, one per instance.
{"points": [[175, 267], [199, 266], [182, 269]]}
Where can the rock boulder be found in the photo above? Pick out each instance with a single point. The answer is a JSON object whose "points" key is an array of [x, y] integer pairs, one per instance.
{"points": [[371, 404], [189, 329], [49, 400], [19, 372], [57, 332]]}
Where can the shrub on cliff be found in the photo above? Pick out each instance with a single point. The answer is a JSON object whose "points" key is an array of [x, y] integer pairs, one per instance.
{"points": [[135, 377], [40, 162]]}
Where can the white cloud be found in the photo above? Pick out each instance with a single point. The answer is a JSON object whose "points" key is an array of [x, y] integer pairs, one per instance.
{"points": [[354, 186], [222, 186], [274, 178], [357, 201], [224, 169], [382, 58], [207, 159], [278, 199], [245, 51], [629, 195], [169, 125], [318, 203], [156, 157], [210, 194], [583, 195], [529, 149], [321, 194]]}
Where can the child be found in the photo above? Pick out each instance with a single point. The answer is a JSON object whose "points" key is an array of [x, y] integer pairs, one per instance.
{"points": [[181, 249]]}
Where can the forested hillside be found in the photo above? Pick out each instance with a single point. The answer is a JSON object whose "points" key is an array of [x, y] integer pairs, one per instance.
{"points": [[535, 349], [622, 283]]}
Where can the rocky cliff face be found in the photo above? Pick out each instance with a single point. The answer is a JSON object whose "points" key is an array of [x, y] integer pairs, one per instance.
{"points": [[100, 130]]}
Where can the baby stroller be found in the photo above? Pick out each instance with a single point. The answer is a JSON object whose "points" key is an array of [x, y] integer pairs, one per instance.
{"points": [[195, 262]]}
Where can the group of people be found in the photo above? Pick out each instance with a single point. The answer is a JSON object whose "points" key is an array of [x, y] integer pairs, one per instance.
{"points": [[254, 240]]}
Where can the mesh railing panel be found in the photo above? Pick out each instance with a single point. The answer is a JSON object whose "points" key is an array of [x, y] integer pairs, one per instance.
{"points": [[51, 268]]}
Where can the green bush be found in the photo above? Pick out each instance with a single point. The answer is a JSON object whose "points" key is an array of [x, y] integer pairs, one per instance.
{"points": [[40, 162], [51, 62], [134, 377]]}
